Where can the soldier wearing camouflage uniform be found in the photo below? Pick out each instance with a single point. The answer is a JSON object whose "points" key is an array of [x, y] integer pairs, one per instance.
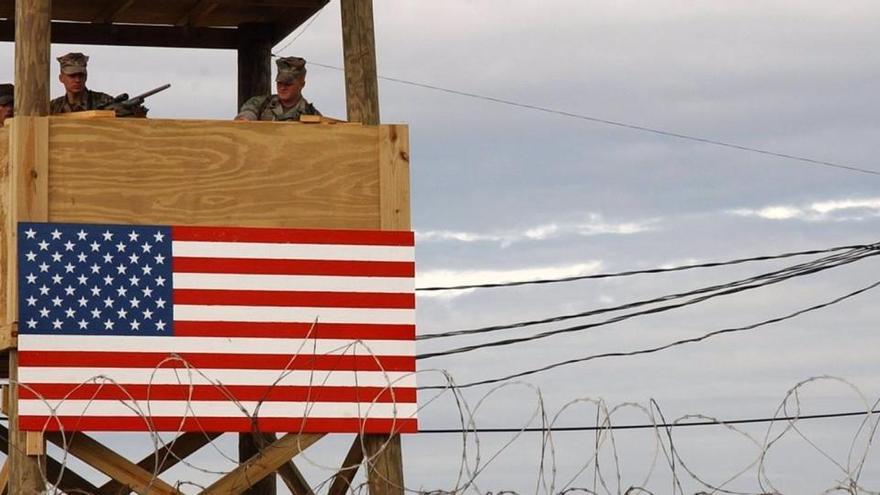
{"points": [[288, 104], [7, 100], [77, 97]]}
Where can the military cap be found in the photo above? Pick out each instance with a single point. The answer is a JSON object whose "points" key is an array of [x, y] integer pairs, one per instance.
{"points": [[73, 63], [7, 94], [289, 69]]}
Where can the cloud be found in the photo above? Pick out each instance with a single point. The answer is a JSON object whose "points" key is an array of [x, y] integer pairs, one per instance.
{"points": [[840, 210], [593, 225], [446, 278]]}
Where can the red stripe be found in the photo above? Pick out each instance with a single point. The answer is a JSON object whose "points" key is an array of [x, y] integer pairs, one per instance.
{"points": [[294, 425], [182, 264], [101, 360], [363, 331], [298, 236], [212, 297], [278, 393]]}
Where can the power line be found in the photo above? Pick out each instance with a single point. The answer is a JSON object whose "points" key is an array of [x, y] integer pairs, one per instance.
{"points": [[662, 347], [649, 426], [615, 123], [643, 272], [304, 29]]}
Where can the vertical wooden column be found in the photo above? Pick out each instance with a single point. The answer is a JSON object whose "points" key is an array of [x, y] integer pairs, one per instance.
{"points": [[254, 61], [248, 446], [359, 50], [32, 25]]}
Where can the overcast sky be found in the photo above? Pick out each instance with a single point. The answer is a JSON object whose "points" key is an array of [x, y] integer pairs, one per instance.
{"points": [[504, 193]]}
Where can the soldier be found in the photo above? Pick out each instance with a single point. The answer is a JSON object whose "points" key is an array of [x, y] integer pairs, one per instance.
{"points": [[77, 97], [289, 103], [7, 99]]}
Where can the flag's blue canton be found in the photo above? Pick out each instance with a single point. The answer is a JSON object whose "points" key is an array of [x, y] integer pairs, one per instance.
{"points": [[94, 279]]}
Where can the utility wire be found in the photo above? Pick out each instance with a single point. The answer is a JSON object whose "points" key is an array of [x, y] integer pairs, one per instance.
{"points": [[649, 426], [635, 127], [651, 350], [814, 266], [302, 31], [646, 271]]}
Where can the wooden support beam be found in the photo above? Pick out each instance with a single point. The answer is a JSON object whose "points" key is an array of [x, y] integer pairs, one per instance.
{"points": [[114, 9], [133, 35], [93, 453], [293, 478], [359, 51], [262, 464], [62, 477], [342, 481], [384, 464], [32, 35], [254, 61], [35, 444], [199, 9], [4, 478], [249, 445], [167, 456]]}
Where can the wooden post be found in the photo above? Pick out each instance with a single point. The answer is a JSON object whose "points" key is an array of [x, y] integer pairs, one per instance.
{"points": [[32, 35], [254, 61], [249, 445], [359, 51]]}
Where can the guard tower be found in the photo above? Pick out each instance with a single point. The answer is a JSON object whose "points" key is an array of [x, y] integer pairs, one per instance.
{"points": [[351, 175]]}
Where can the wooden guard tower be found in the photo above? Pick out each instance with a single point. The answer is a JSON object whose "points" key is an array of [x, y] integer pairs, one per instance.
{"points": [[352, 175]]}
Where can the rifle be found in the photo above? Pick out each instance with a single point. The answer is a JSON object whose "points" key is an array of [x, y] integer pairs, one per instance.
{"points": [[125, 105]]}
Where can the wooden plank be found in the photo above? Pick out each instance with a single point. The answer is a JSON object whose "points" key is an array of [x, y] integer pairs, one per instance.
{"points": [[35, 444], [194, 14], [6, 325], [113, 10], [259, 174], [4, 478], [262, 464], [293, 478], [384, 465], [250, 445], [88, 114], [359, 52], [394, 199], [342, 480], [32, 20], [112, 464], [167, 456], [59, 476]]}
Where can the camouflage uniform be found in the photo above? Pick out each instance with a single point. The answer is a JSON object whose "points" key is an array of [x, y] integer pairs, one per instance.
{"points": [[269, 107], [76, 63]]}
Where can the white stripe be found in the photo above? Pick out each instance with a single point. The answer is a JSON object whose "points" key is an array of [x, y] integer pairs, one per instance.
{"points": [[215, 409], [223, 345], [148, 376], [189, 312], [258, 250], [293, 282]]}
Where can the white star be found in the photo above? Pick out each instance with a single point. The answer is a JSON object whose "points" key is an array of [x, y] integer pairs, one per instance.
{"points": [[68, 268], [56, 257], [31, 278], [43, 267], [32, 323], [95, 268], [69, 290], [83, 301], [121, 291], [108, 258], [56, 325], [160, 281], [147, 247], [121, 269], [160, 303], [56, 279], [81, 257], [81, 235], [44, 291], [82, 279], [44, 246], [148, 270], [96, 291], [148, 314], [122, 313], [55, 235], [148, 292], [44, 313], [108, 303], [159, 236], [108, 236], [30, 233], [134, 280], [32, 301], [70, 313], [68, 246], [96, 313], [95, 246], [31, 256], [108, 280], [120, 247], [133, 236], [160, 325], [134, 258], [135, 325], [160, 260], [56, 301], [108, 324], [135, 303], [83, 324]]}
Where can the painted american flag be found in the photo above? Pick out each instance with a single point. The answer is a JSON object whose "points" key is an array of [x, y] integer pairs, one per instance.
{"points": [[133, 328]]}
